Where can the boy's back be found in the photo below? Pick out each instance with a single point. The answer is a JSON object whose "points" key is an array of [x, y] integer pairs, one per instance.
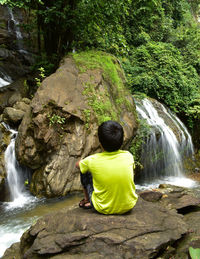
{"points": [[113, 181]]}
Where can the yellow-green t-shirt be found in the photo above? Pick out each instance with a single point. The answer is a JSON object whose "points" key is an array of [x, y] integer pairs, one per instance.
{"points": [[113, 181]]}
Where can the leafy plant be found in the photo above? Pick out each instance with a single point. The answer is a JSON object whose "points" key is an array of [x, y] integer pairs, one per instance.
{"points": [[194, 252], [159, 70], [87, 114], [56, 119], [139, 140], [41, 76], [100, 101]]}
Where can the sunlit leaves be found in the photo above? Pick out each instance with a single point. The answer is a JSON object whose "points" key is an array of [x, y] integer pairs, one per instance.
{"points": [[159, 70]]}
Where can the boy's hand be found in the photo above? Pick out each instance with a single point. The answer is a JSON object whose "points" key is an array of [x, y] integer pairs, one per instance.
{"points": [[77, 164]]}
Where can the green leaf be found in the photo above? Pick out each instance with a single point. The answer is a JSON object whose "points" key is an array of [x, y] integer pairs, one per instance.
{"points": [[194, 252]]}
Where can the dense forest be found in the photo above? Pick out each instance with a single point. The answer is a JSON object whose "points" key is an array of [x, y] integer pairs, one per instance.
{"points": [[157, 42]]}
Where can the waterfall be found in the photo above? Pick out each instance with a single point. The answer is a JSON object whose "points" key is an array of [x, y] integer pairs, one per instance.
{"points": [[4, 78], [3, 82], [13, 27], [165, 146], [16, 175]]}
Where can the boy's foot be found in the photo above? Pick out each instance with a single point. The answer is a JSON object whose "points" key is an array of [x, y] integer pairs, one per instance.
{"points": [[85, 204]]}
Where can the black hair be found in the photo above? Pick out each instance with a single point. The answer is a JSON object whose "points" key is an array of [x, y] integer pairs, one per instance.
{"points": [[111, 135]]}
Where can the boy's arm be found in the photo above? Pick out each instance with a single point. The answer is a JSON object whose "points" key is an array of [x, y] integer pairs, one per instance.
{"points": [[77, 164], [82, 165]]}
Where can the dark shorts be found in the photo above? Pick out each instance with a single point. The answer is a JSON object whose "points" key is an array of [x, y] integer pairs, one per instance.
{"points": [[86, 181]]}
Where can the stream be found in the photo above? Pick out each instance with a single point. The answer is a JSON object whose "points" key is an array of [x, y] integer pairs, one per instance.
{"points": [[23, 209], [15, 219]]}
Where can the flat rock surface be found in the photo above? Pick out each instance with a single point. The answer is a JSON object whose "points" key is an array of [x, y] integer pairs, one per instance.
{"points": [[77, 233], [153, 229]]}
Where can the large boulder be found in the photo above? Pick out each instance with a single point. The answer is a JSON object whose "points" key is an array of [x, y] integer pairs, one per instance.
{"points": [[75, 233], [60, 126], [14, 115], [153, 229]]}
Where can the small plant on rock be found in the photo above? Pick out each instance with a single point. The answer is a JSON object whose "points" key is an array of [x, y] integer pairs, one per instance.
{"points": [[56, 119], [41, 76]]}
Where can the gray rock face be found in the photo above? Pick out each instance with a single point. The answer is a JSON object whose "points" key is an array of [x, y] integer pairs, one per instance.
{"points": [[138, 234], [61, 125]]}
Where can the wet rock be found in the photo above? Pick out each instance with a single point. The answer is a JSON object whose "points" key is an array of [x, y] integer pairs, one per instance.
{"points": [[151, 195], [141, 233], [179, 198]]}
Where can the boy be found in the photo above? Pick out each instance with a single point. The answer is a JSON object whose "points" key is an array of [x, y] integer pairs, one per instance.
{"points": [[110, 187]]}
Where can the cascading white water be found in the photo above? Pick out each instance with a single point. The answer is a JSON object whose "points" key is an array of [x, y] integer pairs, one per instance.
{"points": [[186, 144], [4, 78], [3, 82], [13, 27], [162, 153], [16, 175]]}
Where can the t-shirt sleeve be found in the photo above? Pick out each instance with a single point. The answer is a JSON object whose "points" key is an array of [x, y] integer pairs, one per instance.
{"points": [[84, 165], [132, 160]]}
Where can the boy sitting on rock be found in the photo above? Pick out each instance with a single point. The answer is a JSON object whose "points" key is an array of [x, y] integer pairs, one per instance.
{"points": [[107, 177]]}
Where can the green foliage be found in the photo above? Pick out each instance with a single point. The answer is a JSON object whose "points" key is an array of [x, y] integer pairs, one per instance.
{"points": [[99, 60], [100, 101], [43, 61], [159, 70], [87, 114], [139, 140], [102, 24], [158, 42], [56, 119], [41, 76], [194, 108], [194, 252], [187, 40], [26, 183], [100, 104]]}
